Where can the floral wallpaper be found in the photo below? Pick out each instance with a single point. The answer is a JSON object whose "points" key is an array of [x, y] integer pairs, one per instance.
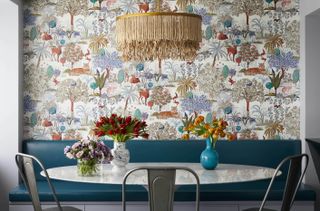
{"points": [[247, 70]]}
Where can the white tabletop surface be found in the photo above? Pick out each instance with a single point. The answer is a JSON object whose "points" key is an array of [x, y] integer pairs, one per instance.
{"points": [[224, 173]]}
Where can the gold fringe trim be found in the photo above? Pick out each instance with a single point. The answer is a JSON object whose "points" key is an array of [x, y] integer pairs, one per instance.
{"points": [[164, 49], [159, 14], [151, 37]]}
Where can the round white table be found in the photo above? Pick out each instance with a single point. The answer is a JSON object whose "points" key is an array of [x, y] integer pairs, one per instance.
{"points": [[224, 173]]}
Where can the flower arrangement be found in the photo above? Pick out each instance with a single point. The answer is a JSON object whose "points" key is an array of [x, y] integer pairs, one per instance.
{"points": [[212, 130], [88, 153], [120, 129]]}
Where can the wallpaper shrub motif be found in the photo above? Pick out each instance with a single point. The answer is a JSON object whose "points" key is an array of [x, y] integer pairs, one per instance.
{"points": [[246, 70]]}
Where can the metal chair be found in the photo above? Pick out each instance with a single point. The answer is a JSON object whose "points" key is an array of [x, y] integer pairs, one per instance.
{"points": [[25, 166], [161, 187], [295, 174]]}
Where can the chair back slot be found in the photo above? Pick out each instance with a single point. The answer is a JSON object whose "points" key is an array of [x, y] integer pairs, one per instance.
{"points": [[161, 189]]}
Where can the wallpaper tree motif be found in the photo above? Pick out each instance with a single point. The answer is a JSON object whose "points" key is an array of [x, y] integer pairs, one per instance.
{"points": [[246, 70]]}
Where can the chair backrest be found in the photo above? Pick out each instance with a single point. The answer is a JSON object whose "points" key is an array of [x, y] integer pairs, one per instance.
{"points": [[26, 170], [295, 175], [161, 187]]}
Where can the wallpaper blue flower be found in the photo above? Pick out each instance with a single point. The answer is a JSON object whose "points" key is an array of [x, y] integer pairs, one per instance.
{"points": [[247, 70]]}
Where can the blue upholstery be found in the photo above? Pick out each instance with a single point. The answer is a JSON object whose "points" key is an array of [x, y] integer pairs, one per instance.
{"points": [[264, 153]]}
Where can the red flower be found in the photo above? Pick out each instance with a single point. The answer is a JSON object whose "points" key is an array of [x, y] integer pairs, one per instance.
{"points": [[128, 119], [123, 131], [98, 124], [103, 119], [124, 127], [119, 119], [99, 133]]}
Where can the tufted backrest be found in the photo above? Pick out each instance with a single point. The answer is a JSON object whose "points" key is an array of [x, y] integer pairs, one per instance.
{"points": [[248, 152]]}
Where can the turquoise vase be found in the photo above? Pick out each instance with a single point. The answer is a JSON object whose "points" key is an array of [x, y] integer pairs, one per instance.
{"points": [[209, 158]]}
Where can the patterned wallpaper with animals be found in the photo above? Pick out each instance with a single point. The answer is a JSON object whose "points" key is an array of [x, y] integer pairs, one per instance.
{"points": [[247, 70]]}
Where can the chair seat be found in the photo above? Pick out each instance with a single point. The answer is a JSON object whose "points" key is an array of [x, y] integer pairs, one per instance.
{"points": [[257, 209], [73, 191], [63, 208]]}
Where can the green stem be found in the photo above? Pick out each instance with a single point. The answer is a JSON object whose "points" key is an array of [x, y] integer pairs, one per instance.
{"points": [[87, 167]]}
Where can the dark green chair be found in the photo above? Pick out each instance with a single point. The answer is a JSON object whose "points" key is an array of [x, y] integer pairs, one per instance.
{"points": [[161, 187], [25, 165], [294, 178]]}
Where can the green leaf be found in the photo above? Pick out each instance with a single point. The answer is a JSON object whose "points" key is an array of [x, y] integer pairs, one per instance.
{"points": [[33, 119], [208, 33], [137, 114], [121, 76], [225, 71], [296, 75], [33, 33]]}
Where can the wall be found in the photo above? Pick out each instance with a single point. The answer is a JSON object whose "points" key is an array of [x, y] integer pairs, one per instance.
{"points": [[246, 71], [9, 109], [310, 63]]}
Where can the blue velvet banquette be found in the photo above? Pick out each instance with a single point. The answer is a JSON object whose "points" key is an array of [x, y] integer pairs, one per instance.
{"points": [[249, 152]]}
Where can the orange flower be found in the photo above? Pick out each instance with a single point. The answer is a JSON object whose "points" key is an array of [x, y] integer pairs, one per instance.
{"points": [[231, 137], [198, 120], [212, 130], [222, 123], [215, 137], [222, 134], [185, 137]]}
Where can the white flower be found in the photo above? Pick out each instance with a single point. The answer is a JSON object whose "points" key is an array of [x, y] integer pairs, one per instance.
{"points": [[75, 145], [69, 155], [91, 148], [79, 154], [86, 141]]}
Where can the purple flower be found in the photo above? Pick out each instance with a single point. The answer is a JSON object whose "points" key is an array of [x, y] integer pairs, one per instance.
{"points": [[196, 104], [232, 72], [87, 149], [283, 61], [29, 105], [206, 18], [107, 61], [28, 18], [67, 149]]}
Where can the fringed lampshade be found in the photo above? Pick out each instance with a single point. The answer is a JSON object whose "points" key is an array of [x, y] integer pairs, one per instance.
{"points": [[158, 36]]}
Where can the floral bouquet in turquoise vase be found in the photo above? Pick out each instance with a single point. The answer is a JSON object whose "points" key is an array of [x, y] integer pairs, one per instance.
{"points": [[211, 131], [89, 153]]}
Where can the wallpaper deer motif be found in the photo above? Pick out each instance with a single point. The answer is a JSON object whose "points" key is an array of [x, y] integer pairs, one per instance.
{"points": [[247, 70]]}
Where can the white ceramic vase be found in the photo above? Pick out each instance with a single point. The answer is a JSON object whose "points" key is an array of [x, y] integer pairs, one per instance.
{"points": [[121, 156]]}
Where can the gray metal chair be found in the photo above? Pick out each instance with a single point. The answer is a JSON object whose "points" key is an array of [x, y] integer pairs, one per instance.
{"points": [[161, 187], [25, 166], [295, 175]]}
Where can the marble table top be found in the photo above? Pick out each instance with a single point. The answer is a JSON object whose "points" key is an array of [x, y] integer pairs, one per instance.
{"points": [[224, 173]]}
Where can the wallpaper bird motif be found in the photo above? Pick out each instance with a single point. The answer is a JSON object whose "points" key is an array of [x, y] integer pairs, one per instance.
{"points": [[247, 70]]}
